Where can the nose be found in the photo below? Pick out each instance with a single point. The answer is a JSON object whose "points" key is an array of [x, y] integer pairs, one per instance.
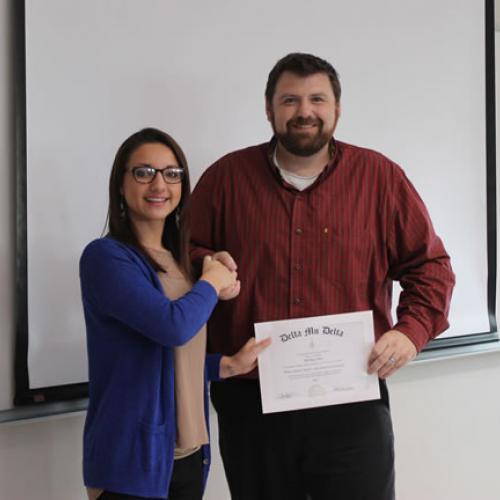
{"points": [[305, 109], [158, 181]]}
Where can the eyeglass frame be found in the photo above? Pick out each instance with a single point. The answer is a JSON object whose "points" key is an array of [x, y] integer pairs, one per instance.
{"points": [[132, 170]]}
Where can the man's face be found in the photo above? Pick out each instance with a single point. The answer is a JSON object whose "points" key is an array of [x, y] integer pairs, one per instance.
{"points": [[303, 112]]}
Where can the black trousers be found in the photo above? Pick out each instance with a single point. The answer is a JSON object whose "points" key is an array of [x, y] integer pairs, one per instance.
{"points": [[339, 452], [186, 482]]}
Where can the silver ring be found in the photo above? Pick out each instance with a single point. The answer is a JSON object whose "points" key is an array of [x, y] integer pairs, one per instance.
{"points": [[392, 360]]}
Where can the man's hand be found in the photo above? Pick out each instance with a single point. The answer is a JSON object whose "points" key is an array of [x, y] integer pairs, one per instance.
{"points": [[392, 351], [233, 291]]}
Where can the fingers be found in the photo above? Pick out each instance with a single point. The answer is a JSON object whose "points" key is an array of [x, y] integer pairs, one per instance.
{"points": [[231, 282], [245, 360], [260, 346], [210, 263], [252, 349], [226, 259], [231, 291], [378, 361], [390, 366], [391, 352]]}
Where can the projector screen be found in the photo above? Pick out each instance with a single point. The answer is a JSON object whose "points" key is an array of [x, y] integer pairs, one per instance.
{"points": [[416, 86]]}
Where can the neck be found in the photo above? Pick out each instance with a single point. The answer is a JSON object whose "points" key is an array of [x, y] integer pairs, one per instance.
{"points": [[303, 165], [149, 233]]}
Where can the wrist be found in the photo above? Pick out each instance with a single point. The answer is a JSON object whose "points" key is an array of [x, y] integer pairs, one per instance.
{"points": [[227, 367], [213, 282]]}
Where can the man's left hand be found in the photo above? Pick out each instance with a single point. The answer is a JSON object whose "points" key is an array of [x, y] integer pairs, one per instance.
{"points": [[391, 351]]}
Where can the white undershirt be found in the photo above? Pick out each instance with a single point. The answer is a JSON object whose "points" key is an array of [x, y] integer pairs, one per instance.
{"points": [[299, 182]]}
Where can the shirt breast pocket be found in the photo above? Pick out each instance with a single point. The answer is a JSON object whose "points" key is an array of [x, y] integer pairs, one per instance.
{"points": [[347, 255]]}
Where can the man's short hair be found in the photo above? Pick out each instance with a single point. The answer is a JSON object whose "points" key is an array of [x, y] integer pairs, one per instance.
{"points": [[301, 65]]}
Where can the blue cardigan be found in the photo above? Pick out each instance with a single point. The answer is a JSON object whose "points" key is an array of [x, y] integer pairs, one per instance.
{"points": [[132, 328]]}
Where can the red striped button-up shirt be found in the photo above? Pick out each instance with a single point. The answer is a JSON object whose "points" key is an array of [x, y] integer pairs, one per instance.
{"points": [[335, 247]]}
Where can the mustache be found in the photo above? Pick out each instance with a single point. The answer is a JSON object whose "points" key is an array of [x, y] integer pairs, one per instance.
{"points": [[301, 121]]}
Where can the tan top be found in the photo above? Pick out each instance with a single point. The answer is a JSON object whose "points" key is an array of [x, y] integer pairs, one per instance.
{"points": [[189, 365], [93, 493]]}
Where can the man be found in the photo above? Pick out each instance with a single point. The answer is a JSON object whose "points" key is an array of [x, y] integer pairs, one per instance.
{"points": [[316, 226]]}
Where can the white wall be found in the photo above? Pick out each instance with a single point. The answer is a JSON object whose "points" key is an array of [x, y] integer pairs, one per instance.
{"points": [[447, 425], [446, 413]]}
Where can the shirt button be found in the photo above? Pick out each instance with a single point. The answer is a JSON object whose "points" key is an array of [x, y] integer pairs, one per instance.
{"points": [[298, 230], [298, 267], [297, 300], [205, 461]]}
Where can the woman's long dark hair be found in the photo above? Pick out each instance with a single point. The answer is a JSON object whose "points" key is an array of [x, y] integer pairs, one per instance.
{"points": [[175, 232]]}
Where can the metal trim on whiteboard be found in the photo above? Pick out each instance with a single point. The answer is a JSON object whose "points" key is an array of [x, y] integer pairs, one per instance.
{"points": [[23, 394], [491, 204]]}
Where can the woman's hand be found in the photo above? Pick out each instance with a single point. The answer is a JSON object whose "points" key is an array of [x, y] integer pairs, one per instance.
{"points": [[233, 291], [245, 360], [217, 274]]}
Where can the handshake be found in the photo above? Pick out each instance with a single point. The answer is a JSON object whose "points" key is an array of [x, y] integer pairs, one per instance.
{"points": [[219, 270]]}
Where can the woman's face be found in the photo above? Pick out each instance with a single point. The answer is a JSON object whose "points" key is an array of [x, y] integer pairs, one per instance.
{"points": [[156, 200]]}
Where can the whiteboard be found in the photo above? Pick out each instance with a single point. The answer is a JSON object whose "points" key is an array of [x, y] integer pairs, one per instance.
{"points": [[413, 88]]}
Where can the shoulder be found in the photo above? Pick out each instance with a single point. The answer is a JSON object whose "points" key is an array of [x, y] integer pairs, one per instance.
{"points": [[106, 249], [239, 159], [352, 152], [248, 153], [105, 260], [368, 160], [103, 247], [228, 171]]}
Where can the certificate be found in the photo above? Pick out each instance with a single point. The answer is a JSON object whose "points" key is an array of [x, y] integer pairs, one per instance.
{"points": [[316, 361]]}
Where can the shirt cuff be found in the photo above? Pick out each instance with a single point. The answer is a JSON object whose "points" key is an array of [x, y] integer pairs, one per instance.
{"points": [[414, 330]]}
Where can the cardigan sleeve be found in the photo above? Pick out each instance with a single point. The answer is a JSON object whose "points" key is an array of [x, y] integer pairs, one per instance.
{"points": [[212, 365], [114, 284]]}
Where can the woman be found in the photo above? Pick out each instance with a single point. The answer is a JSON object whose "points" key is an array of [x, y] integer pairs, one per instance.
{"points": [[146, 432]]}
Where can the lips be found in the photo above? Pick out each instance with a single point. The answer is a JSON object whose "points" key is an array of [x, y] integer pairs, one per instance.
{"points": [[301, 124], [304, 126], [305, 121], [156, 200]]}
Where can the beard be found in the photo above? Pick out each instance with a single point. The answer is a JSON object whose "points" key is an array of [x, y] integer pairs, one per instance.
{"points": [[303, 143]]}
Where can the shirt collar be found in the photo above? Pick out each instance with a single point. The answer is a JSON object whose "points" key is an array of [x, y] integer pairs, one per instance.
{"points": [[332, 151]]}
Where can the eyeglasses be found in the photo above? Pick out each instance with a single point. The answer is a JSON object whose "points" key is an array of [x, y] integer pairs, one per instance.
{"points": [[146, 175]]}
